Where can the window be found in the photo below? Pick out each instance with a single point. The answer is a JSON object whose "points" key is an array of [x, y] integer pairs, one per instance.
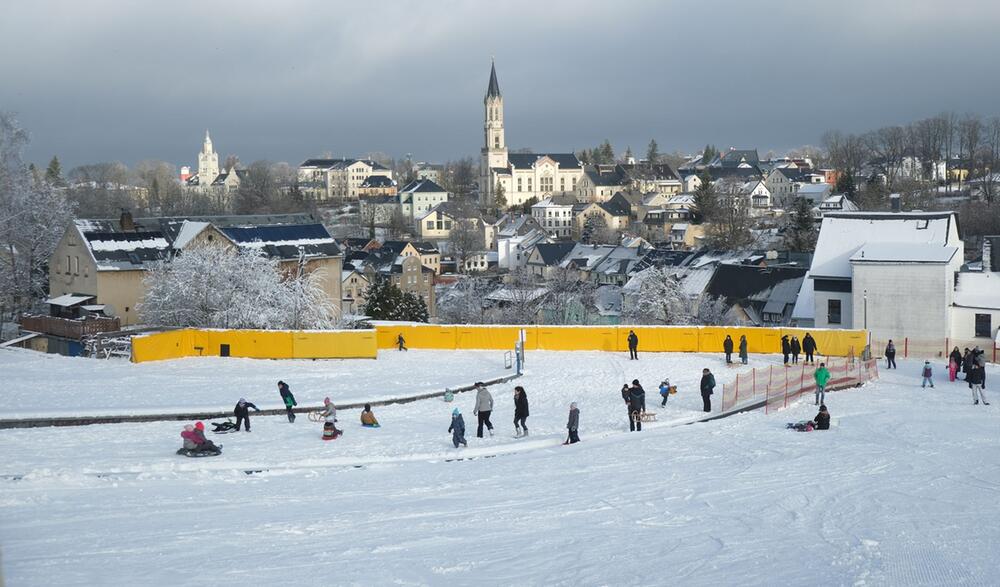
{"points": [[68, 266], [430, 225], [519, 184], [984, 329], [440, 225], [447, 224], [546, 184], [562, 184], [833, 311], [529, 184], [496, 142], [76, 265]]}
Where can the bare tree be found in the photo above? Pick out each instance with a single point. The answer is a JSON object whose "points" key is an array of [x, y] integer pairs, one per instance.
{"points": [[888, 147], [969, 136], [465, 239], [596, 230], [730, 229]]}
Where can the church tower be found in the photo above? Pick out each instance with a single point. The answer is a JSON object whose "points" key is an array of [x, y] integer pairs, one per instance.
{"points": [[495, 148], [208, 163]]}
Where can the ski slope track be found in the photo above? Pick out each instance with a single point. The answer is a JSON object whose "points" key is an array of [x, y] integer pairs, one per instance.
{"points": [[902, 490]]}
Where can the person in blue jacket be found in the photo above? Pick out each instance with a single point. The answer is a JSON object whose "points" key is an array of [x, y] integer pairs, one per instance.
{"points": [[457, 428]]}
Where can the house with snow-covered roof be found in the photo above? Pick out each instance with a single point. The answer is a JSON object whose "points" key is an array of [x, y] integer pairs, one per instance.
{"points": [[890, 272], [108, 259]]}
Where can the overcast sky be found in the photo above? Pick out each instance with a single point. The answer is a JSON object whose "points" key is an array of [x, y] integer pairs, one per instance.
{"points": [[100, 80]]}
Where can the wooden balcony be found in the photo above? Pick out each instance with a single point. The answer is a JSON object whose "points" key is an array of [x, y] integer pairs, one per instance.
{"points": [[67, 328]]}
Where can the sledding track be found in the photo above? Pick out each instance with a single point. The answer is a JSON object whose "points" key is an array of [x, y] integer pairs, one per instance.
{"points": [[211, 415]]}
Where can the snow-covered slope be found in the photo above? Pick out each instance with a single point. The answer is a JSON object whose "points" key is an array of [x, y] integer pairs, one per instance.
{"points": [[902, 491]]}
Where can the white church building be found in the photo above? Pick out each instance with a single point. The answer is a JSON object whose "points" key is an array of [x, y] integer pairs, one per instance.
{"points": [[522, 175]]}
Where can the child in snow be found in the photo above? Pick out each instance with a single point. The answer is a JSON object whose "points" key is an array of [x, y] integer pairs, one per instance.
{"points": [[927, 373], [822, 377], [188, 436], [401, 343], [368, 418], [520, 412], [329, 415], [573, 425], [822, 419], [954, 363], [242, 413], [288, 399], [457, 428], [664, 391], [200, 440], [977, 379]]}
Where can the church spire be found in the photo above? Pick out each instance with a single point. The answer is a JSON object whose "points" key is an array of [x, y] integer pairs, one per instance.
{"points": [[207, 147], [493, 90]]}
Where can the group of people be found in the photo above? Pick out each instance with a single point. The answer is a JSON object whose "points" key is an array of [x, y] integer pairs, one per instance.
{"points": [[484, 409], [972, 363], [727, 347], [196, 443], [792, 348]]}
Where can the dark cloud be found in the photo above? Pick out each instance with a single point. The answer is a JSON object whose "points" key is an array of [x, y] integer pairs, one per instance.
{"points": [[97, 81]]}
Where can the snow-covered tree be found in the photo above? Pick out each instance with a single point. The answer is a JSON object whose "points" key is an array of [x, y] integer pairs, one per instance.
{"points": [[218, 287], [462, 303], [658, 299], [33, 218]]}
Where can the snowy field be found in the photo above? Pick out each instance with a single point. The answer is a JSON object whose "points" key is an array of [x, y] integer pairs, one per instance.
{"points": [[902, 491]]}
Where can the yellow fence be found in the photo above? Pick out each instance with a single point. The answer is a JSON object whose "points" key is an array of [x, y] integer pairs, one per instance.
{"points": [[705, 339], [255, 344], [352, 344]]}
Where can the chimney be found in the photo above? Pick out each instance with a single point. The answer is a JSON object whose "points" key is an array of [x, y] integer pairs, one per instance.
{"points": [[895, 203], [126, 222]]}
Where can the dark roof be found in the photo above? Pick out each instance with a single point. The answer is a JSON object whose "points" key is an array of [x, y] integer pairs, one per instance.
{"points": [[554, 253], [378, 181], [285, 241], [425, 248], [341, 162], [607, 175], [221, 178], [664, 258], [493, 89], [618, 205], [527, 160], [733, 172], [423, 185], [732, 157], [658, 171], [742, 282]]}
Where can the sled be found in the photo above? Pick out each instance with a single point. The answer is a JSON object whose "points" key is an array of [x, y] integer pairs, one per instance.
{"points": [[371, 425], [195, 454], [647, 416], [224, 427], [315, 417]]}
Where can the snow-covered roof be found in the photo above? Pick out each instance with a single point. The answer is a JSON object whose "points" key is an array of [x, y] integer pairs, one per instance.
{"points": [[111, 244], [843, 233], [67, 300], [978, 290], [904, 253], [189, 230], [805, 304]]}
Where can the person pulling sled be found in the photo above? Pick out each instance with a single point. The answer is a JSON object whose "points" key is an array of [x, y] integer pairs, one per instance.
{"points": [[288, 398]]}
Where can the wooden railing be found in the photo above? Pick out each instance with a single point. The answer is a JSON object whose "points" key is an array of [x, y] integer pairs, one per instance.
{"points": [[66, 328]]}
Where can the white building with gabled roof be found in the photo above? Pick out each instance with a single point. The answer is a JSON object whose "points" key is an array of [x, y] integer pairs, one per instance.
{"points": [[890, 272]]}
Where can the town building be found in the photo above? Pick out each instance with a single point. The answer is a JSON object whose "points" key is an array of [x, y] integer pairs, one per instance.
{"points": [[522, 175], [325, 179]]}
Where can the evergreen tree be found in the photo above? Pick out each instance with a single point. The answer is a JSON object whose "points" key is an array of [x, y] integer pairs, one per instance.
{"points": [[53, 173], [800, 233], [500, 197], [628, 154], [607, 152], [706, 201], [652, 153], [385, 301], [584, 156], [709, 154], [845, 185]]}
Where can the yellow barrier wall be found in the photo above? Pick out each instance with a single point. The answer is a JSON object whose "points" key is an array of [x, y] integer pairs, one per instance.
{"points": [[706, 339], [256, 344]]}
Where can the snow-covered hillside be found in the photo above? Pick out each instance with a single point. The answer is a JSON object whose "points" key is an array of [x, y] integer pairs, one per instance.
{"points": [[902, 490]]}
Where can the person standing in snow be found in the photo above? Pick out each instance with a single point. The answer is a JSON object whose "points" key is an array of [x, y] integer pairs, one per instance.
{"points": [[822, 377], [483, 409], [966, 362], [707, 385], [573, 425], [664, 391], [288, 398], [401, 343], [796, 348], [457, 428], [636, 406], [976, 378], [727, 347], [809, 347], [954, 364], [927, 373], [890, 355], [786, 348], [743, 349], [242, 413], [633, 346], [520, 412]]}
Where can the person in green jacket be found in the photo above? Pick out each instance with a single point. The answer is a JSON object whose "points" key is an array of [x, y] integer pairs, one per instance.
{"points": [[822, 376]]}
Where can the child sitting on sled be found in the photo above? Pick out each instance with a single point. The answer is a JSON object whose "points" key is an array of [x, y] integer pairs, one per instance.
{"points": [[368, 418]]}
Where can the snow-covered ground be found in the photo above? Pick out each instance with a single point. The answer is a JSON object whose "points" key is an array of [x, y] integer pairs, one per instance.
{"points": [[902, 491]]}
